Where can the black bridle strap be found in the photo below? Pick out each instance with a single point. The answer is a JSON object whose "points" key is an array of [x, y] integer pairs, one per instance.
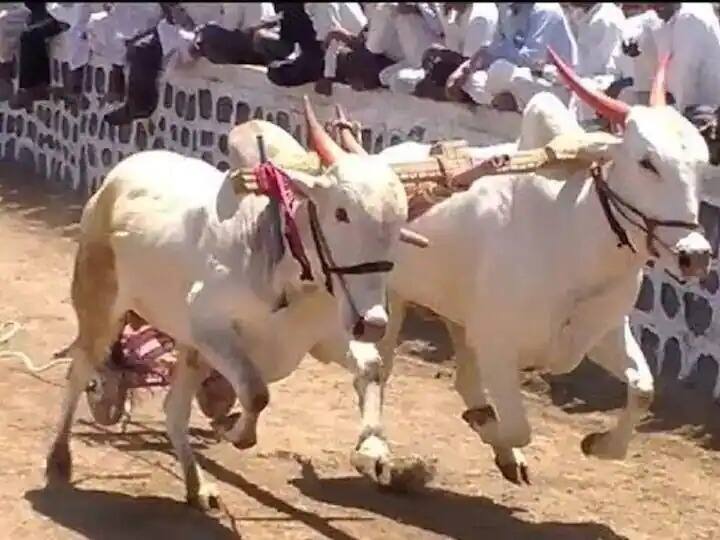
{"points": [[623, 239], [328, 265], [610, 200]]}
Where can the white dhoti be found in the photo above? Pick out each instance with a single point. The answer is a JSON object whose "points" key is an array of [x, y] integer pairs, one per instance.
{"points": [[12, 23], [503, 76], [175, 42], [401, 78], [104, 39]]}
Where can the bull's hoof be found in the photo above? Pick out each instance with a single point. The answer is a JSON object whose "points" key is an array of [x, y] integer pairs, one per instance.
{"points": [[223, 425], [399, 474], [206, 500], [601, 445], [407, 474], [58, 468], [516, 471]]}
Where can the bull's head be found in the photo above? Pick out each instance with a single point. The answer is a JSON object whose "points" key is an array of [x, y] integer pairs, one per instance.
{"points": [[657, 166], [361, 210]]}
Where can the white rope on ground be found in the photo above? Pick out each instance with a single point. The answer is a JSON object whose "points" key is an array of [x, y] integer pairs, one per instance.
{"points": [[9, 329]]}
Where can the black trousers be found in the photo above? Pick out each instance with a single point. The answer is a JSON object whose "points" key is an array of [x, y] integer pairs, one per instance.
{"points": [[144, 58], [34, 59], [222, 46]]}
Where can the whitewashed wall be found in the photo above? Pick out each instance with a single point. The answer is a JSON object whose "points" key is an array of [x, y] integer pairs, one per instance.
{"points": [[198, 107]]}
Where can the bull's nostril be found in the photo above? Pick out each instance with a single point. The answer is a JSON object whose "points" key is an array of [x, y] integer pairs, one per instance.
{"points": [[684, 260], [358, 329]]}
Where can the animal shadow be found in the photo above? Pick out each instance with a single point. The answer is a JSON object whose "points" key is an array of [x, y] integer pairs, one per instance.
{"points": [[111, 515], [463, 517]]}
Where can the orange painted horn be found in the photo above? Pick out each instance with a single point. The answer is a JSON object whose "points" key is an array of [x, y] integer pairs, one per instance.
{"points": [[348, 140], [611, 109], [327, 149], [657, 93]]}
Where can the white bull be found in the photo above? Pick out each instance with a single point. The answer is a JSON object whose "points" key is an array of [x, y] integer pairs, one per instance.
{"points": [[544, 117], [166, 237], [529, 273]]}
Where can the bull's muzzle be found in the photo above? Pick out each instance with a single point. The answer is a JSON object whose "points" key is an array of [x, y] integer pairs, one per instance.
{"points": [[694, 263], [372, 326]]}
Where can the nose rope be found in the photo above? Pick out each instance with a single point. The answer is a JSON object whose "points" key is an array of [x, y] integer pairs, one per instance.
{"points": [[329, 267], [609, 200]]}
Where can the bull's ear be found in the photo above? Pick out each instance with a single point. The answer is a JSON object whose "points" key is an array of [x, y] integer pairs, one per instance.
{"points": [[307, 185]]}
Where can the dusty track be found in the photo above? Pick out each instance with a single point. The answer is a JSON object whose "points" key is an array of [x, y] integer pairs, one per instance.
{"points": [[127, 486]]}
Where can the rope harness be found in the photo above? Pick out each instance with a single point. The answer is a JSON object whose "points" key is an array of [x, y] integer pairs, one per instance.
{"points": [[610, 200]]}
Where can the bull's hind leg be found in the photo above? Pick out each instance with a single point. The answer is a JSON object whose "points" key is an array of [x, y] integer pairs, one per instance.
{"points": [[187, 378], [480, 415], [620, 354], [94, 296]]}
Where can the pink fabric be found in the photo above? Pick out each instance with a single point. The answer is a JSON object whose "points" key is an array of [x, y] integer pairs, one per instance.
{"points": [[276, 184]]}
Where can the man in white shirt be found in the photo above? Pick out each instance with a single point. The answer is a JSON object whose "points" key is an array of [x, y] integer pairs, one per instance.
{"points": [[13, 20], [109, 31], [418, 29], [33, 55], [513, 68], [231, 39], [598, 30], [467, 27], [338, 25], [638, 61], [691, 34]]}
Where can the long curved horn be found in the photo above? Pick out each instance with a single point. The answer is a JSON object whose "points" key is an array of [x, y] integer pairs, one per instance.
{"points": [[657, 93], [319, 140], [348, 140], [413, 238], [611, 109]]}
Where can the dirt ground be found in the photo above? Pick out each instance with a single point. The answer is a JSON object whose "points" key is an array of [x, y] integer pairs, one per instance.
{"points": [[127, 485]]}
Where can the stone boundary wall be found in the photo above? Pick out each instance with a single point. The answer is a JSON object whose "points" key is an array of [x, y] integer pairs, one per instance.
{"points": [[198, 107]]}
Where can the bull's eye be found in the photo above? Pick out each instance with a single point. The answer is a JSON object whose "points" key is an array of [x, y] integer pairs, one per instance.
{"points": [[646, 164], [341, 215]]}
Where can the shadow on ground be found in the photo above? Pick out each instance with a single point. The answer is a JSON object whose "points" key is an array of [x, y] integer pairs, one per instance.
{"points": [[109, 515], [458, 516]]}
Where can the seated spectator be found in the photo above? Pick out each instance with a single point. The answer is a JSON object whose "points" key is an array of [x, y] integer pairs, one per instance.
{"points": [[13, 20], [232, 39], [513, 68], [467, 27], [638, 61], [74, 46], [109, 32], [691, 34], [598, 30], [220, 32], [418, 29], [33, 57], [339, 26], [144, 56], [304, 61]]}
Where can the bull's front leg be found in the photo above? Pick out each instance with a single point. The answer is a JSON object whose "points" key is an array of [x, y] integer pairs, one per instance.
{"points": [[187, 378], [480, 415], [372, 456], [619, 353]]}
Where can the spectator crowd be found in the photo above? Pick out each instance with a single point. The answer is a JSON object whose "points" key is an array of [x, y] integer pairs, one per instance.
{"points": [[491, 54]]}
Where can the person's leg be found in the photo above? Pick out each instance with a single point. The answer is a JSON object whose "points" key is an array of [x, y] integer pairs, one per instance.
{"points": [[306, 68], [268, 45], [144, 59], [34, 57], [221, 46]]}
